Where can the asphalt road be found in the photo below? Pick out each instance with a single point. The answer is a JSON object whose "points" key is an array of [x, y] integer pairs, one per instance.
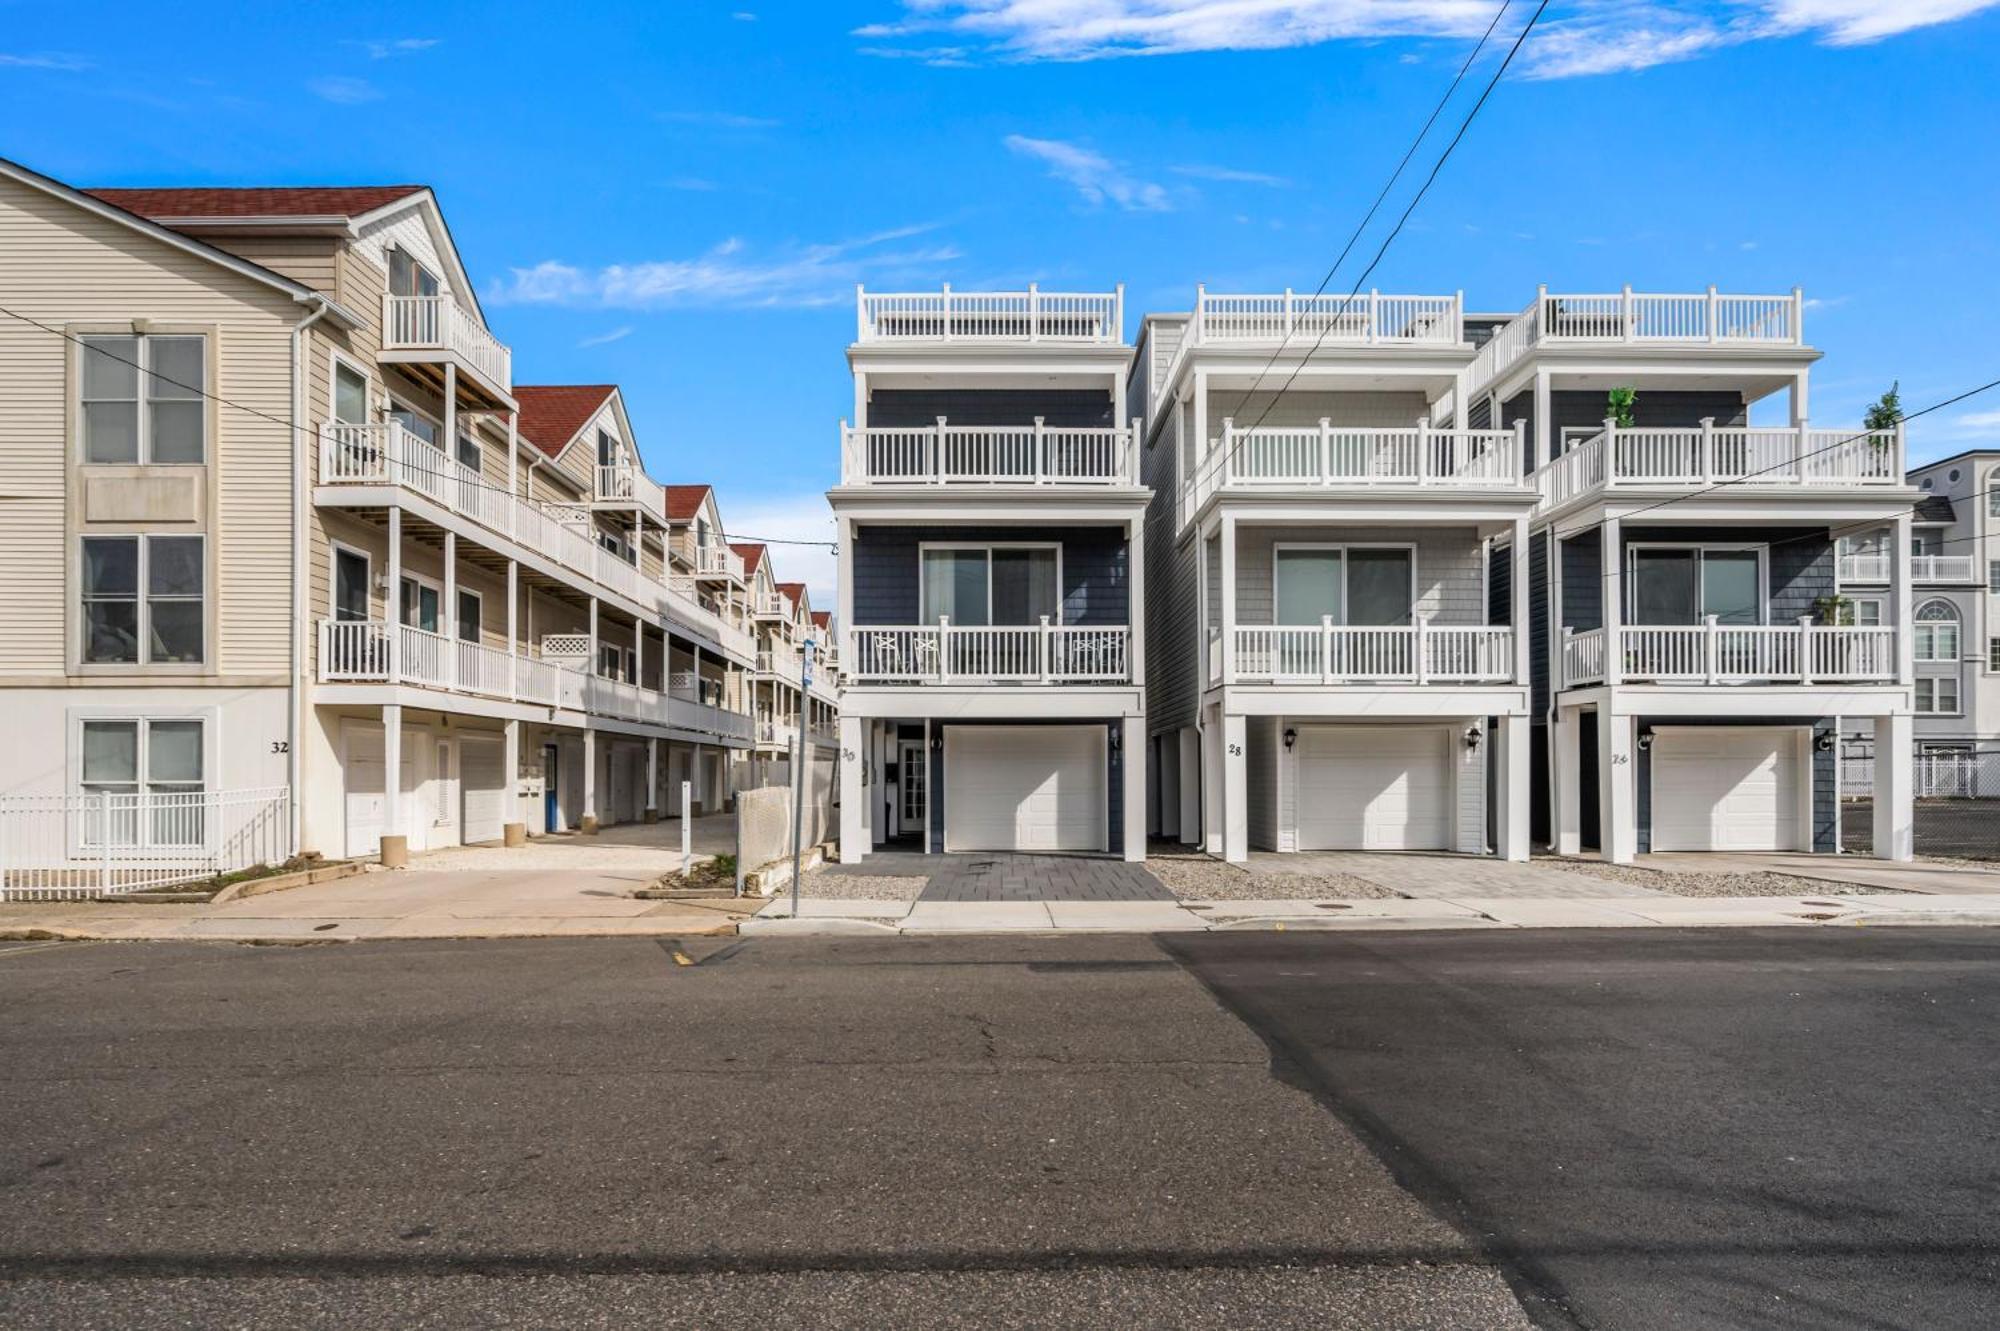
{"points": [[1641, 1129], [905, 1133], [1720, 1128]]}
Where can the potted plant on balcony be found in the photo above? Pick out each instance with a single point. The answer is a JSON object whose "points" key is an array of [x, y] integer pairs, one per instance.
{"points": [[1882, 418], [1621, 407], [1833, 610]]}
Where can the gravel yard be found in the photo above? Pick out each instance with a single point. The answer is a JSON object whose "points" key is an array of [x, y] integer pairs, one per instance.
{"points": [[1198, 878], [818, 884], [1682, 884]]}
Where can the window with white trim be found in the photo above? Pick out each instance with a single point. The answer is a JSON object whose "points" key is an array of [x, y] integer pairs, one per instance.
{"points": [[1993, 655], [1993, 495], [468, 453], [1993, 577], [143, 601], [981, 585], [1862, 612], [1936, 631], [408, 277], [146, 775], [142, 398], [1937, 696]]}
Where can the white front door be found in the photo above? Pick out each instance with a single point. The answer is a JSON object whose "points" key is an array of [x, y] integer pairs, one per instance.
{"points": [[441, 796], [1024, 788], [365, 793], [482, 774], [1373, 787], [1726, 788], [911, 799]]}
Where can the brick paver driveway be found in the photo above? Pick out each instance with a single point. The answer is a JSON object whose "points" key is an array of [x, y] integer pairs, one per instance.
{"points": [[998, 876]]}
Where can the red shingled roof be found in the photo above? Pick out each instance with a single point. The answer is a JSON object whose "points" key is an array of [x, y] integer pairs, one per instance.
{"points": [[822, 619], [551, 414], [165, 205], [684, 501], [753, 555], [795, 592]]}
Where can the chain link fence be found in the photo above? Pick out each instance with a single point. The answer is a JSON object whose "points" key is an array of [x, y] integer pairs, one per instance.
{"points": [[1957, 799]]}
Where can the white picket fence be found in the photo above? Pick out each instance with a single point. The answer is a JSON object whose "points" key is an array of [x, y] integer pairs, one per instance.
{"points": [[102, 843]]}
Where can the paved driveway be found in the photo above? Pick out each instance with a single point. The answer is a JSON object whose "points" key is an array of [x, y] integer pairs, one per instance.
{"points": [[1004, 877]]}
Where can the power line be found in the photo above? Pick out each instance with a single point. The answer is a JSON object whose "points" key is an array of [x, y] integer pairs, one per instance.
{"points": [[1390, 184]]}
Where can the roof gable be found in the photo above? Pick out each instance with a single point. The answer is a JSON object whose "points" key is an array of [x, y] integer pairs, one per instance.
{"points": [[552, 415], [685, 502]]}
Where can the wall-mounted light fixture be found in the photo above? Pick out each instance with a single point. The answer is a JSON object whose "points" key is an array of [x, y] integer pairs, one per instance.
{"points": [[1291, 737], [1645, 740], [1473, 734], [1114, 737], [1823, 742]]}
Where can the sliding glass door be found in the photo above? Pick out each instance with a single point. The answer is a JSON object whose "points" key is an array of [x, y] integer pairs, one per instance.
{"points": [[991, 586], [1355, 585], [1684, 585]]}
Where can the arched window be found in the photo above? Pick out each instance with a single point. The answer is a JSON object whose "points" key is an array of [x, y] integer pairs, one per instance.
{"points": [[1937, 631]]}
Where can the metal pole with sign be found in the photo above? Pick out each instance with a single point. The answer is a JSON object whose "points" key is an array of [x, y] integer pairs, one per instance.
{"points": [[801, 783]]}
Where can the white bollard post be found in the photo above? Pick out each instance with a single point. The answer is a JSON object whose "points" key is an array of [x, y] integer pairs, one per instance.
{"points": [[687, 827]]}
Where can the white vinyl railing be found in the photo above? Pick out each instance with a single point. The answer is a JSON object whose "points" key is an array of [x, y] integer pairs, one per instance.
{"points": [[110, 842], [1283, 457], [384, 453], [771, 605], [626, 483], [1362, 319], [1326, 653], [945, 653], [1923, 568], [1708, 454], [436, 323], [945, 454], [370, 651], [717, 560], [1716, 653], [1033, 315], [1708, 318]]}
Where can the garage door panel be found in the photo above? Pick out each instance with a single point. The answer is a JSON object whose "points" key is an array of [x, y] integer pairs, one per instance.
{"points": [[482, 769], [1024, 788], [1362, 788], [1726, 789]]}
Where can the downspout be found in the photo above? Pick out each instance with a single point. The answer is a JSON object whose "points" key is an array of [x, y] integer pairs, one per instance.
{"points": [[295, 717]]}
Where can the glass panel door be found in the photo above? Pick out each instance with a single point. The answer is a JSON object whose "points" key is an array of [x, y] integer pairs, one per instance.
{"points": [[420, 605], [1379, 587], [1729, 586], [350, 395], [350, 585], [1024, 587], [955, 586], [1309, 586], [1664, 588]]}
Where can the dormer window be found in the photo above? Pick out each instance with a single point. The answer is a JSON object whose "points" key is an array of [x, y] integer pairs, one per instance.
{"points": [[407, 277]]}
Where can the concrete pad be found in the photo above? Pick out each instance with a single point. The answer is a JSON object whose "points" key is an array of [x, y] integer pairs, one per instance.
{"points": [[977, 916], [1123, 916], [1336, 924], [1307, 908], [1915, 905]]}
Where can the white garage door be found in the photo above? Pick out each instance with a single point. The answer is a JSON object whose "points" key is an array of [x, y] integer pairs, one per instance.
{"points": [[1374, 788], [1725, 788], [364, 793], [482, 770], [1024, 787]]}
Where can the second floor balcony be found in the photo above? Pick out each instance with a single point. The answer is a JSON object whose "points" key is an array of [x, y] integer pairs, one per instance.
{"points": [[1028, 654], [626, 485], [436, 328], [946, 455], [1792, 458], [1715, 653], [1878, 567], [1345, 654], [373, 651]]}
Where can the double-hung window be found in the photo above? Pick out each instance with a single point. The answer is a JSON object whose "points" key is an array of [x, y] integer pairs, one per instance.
{"points": [[1684, 585], [421, 605], [143, 398], [1936, 631], [143, 782], [1993, 577], [1937, 695], [143, 601], [468, 453]]}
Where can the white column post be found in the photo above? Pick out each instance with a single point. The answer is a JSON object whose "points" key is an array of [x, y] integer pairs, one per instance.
{"points": [[1612, 563], [448, 612], [1228, 598], [395, 595], [1899, 587], [853, 803], [590, 662], [1135, 600], [1544, 430], [1188, 741], [1133, 749], [1519, 615], [1711, 662], [1805, 649], [1617, 787], [450, 441], [1565, 761], [589, 827], [652, 778], [514, 831], [937, 456], [1895, 787], [1510, 837], [1235, 789], [395, 842], [513, 629], [513, 469], [1211, 784]]}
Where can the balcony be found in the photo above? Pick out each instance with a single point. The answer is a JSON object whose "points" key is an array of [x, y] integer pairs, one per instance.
{"points": [[1639, 319], [716, 561], [1713, 653], [1014, 654], [1330, 653], [945, 454], [771, 605], [386, 454], [1784, 457], [1364, 319], [784, 665], [1357, 459], [424, 328], [371, 651], [1027, 318], [626, 485], [1871, 568]]}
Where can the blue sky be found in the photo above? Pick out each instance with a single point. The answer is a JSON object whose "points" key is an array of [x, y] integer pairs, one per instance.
{"points": [[680, 197]]}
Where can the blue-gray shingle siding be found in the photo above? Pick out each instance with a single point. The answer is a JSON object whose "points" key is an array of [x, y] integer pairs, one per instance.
{"points": [[1096, 587]]}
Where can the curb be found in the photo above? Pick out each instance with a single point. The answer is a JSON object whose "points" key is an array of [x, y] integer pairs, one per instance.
{"points": [[780, 926]]}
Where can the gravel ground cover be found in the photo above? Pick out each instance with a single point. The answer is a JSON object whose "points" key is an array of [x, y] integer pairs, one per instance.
{"points": [[1683, 884], [1198, 878], [857, 886]]}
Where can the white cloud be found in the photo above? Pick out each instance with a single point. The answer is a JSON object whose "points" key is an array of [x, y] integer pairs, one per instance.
{"points": [[385, 47], [744, 16], [1228, 175], [1584, 37], [604, 339], [731, 275], [344, 91], [799, 517], [1094, 175], [694, 184], [1974, 422], [718, 120], [67, 64]]}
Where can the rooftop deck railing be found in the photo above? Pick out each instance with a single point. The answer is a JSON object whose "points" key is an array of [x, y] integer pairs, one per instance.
{"points": [[437, 323], [1361, 319], [1710, 455], [1031, 316]]}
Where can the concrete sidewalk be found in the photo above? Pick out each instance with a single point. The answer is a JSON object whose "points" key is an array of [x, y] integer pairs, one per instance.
{"points": [[829, 916]]}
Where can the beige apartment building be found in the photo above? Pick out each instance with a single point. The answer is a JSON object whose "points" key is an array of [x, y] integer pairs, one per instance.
{"points": [[281, 522]]}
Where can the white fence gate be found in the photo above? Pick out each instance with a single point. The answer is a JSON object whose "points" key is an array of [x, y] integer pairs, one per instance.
{"points": [[106, 843]]}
